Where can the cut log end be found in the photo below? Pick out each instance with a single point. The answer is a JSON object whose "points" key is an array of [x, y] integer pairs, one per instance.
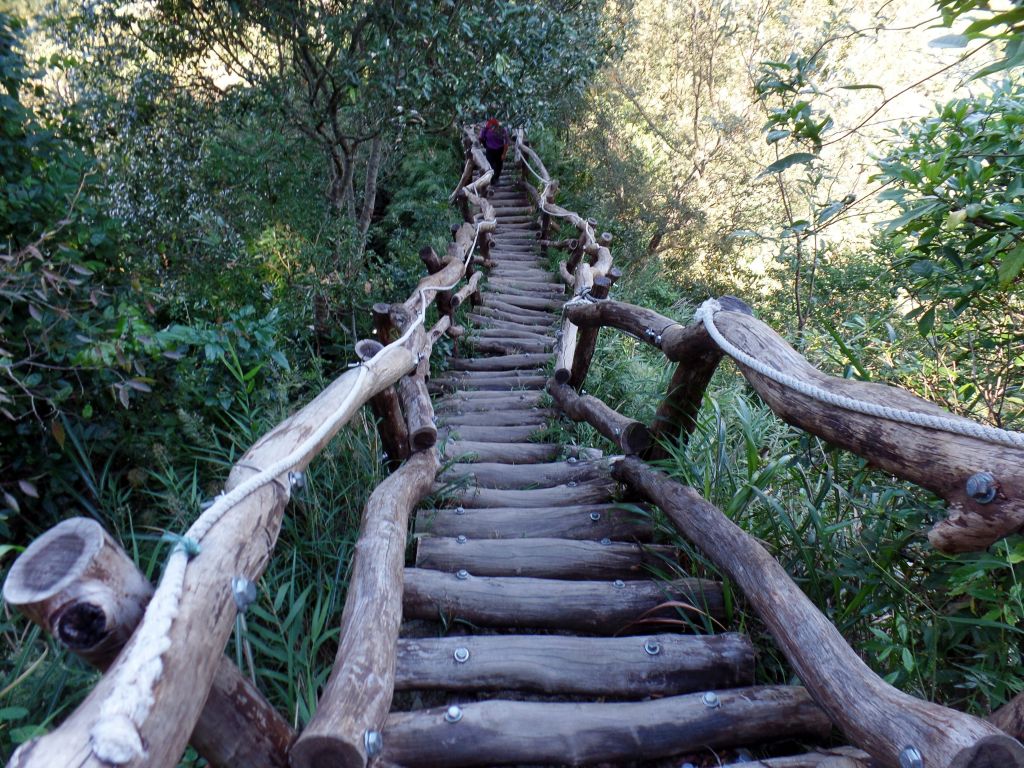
{"points": [[991, 752], [423, 438], [326, 752], [562, 375], [366, 348], [53, 561], [636, 439], [732, 304], [82, 626]]}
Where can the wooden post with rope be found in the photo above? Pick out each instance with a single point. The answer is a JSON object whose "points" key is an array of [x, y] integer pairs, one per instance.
{"points": [[80, 586]]}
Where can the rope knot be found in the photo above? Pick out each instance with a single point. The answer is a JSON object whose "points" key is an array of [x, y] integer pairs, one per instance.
{"points": [[706, 312]]}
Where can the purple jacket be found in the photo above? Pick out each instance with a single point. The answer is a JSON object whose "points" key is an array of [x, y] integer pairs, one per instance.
{"points": [[493, 137]]}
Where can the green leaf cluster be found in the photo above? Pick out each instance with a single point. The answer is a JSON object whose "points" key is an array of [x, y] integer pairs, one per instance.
{"points": [[958, 180]]}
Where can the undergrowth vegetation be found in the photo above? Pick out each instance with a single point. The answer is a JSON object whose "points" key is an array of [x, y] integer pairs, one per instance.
{"points": [[187, 256]]}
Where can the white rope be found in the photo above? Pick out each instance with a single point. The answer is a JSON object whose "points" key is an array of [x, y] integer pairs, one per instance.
{"points": [[965, 427], [115, 736]]}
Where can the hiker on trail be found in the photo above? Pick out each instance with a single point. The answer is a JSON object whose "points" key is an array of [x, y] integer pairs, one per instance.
{"points": [[496, 142]]}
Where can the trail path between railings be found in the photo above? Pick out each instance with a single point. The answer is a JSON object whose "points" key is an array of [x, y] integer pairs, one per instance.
{"points": [[535, 630]]}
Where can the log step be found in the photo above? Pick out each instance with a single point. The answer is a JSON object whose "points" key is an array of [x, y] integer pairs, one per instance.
{"points": [[486, 418], [508, 271], [490, 375], [500, 732], [533, 476], [500, 362], [484, 314], [589, 522], [616, 667], [524, 302], [596, 491], [543, 558], [510, 346], [595, 607], [497, 384], [499, 334], [513, 453], [500, 285], [508, 434]]}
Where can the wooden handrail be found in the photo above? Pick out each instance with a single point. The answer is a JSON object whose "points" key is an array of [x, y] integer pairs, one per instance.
{"points": [[353, 708], [878, 718], [79, 585], [942, 462]]}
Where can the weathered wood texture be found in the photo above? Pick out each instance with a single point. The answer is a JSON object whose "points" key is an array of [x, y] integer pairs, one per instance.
{"points": [[496, 418], [594, 607], [939, 461], [240, 544], [572, 492], [504, 363], [513, 453], [535, 733], [419, 413], [387, 410], [357, 696], [875, 716], [676, 417], [673, 338], [838, 757], [586, 341], [630, 436], [590, 521], [535, 476], [617, 667], [490, 434], [77, 584], [543, 558], [1010, 717]]}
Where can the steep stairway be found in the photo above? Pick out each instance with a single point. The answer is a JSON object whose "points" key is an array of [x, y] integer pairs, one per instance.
{"points": [[533, 630]]}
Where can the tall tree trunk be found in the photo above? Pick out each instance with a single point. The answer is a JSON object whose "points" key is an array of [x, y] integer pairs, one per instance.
{"points": [[370, 188], [340, 165]]}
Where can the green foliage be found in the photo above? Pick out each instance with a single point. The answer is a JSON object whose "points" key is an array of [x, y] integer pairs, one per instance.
{"points": [[958, 179], [958, 243], [73, 339], [1004, 26], [945, 628]]}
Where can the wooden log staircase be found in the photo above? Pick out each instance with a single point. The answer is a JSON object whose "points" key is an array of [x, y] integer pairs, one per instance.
{"points": [[534, 631], [536, 619]]}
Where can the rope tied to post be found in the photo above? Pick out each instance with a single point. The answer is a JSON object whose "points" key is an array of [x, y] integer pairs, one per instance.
{"points": [[115, 736], [706, 314], [583, 297]]}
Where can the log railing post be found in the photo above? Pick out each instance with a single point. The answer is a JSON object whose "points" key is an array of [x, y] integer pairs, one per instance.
{"points": [[80, 586], [434, 265], [575, 254], [586, 341], [387, 412], [630, 436], [698, 356], [942, 460], [463, 200]]}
